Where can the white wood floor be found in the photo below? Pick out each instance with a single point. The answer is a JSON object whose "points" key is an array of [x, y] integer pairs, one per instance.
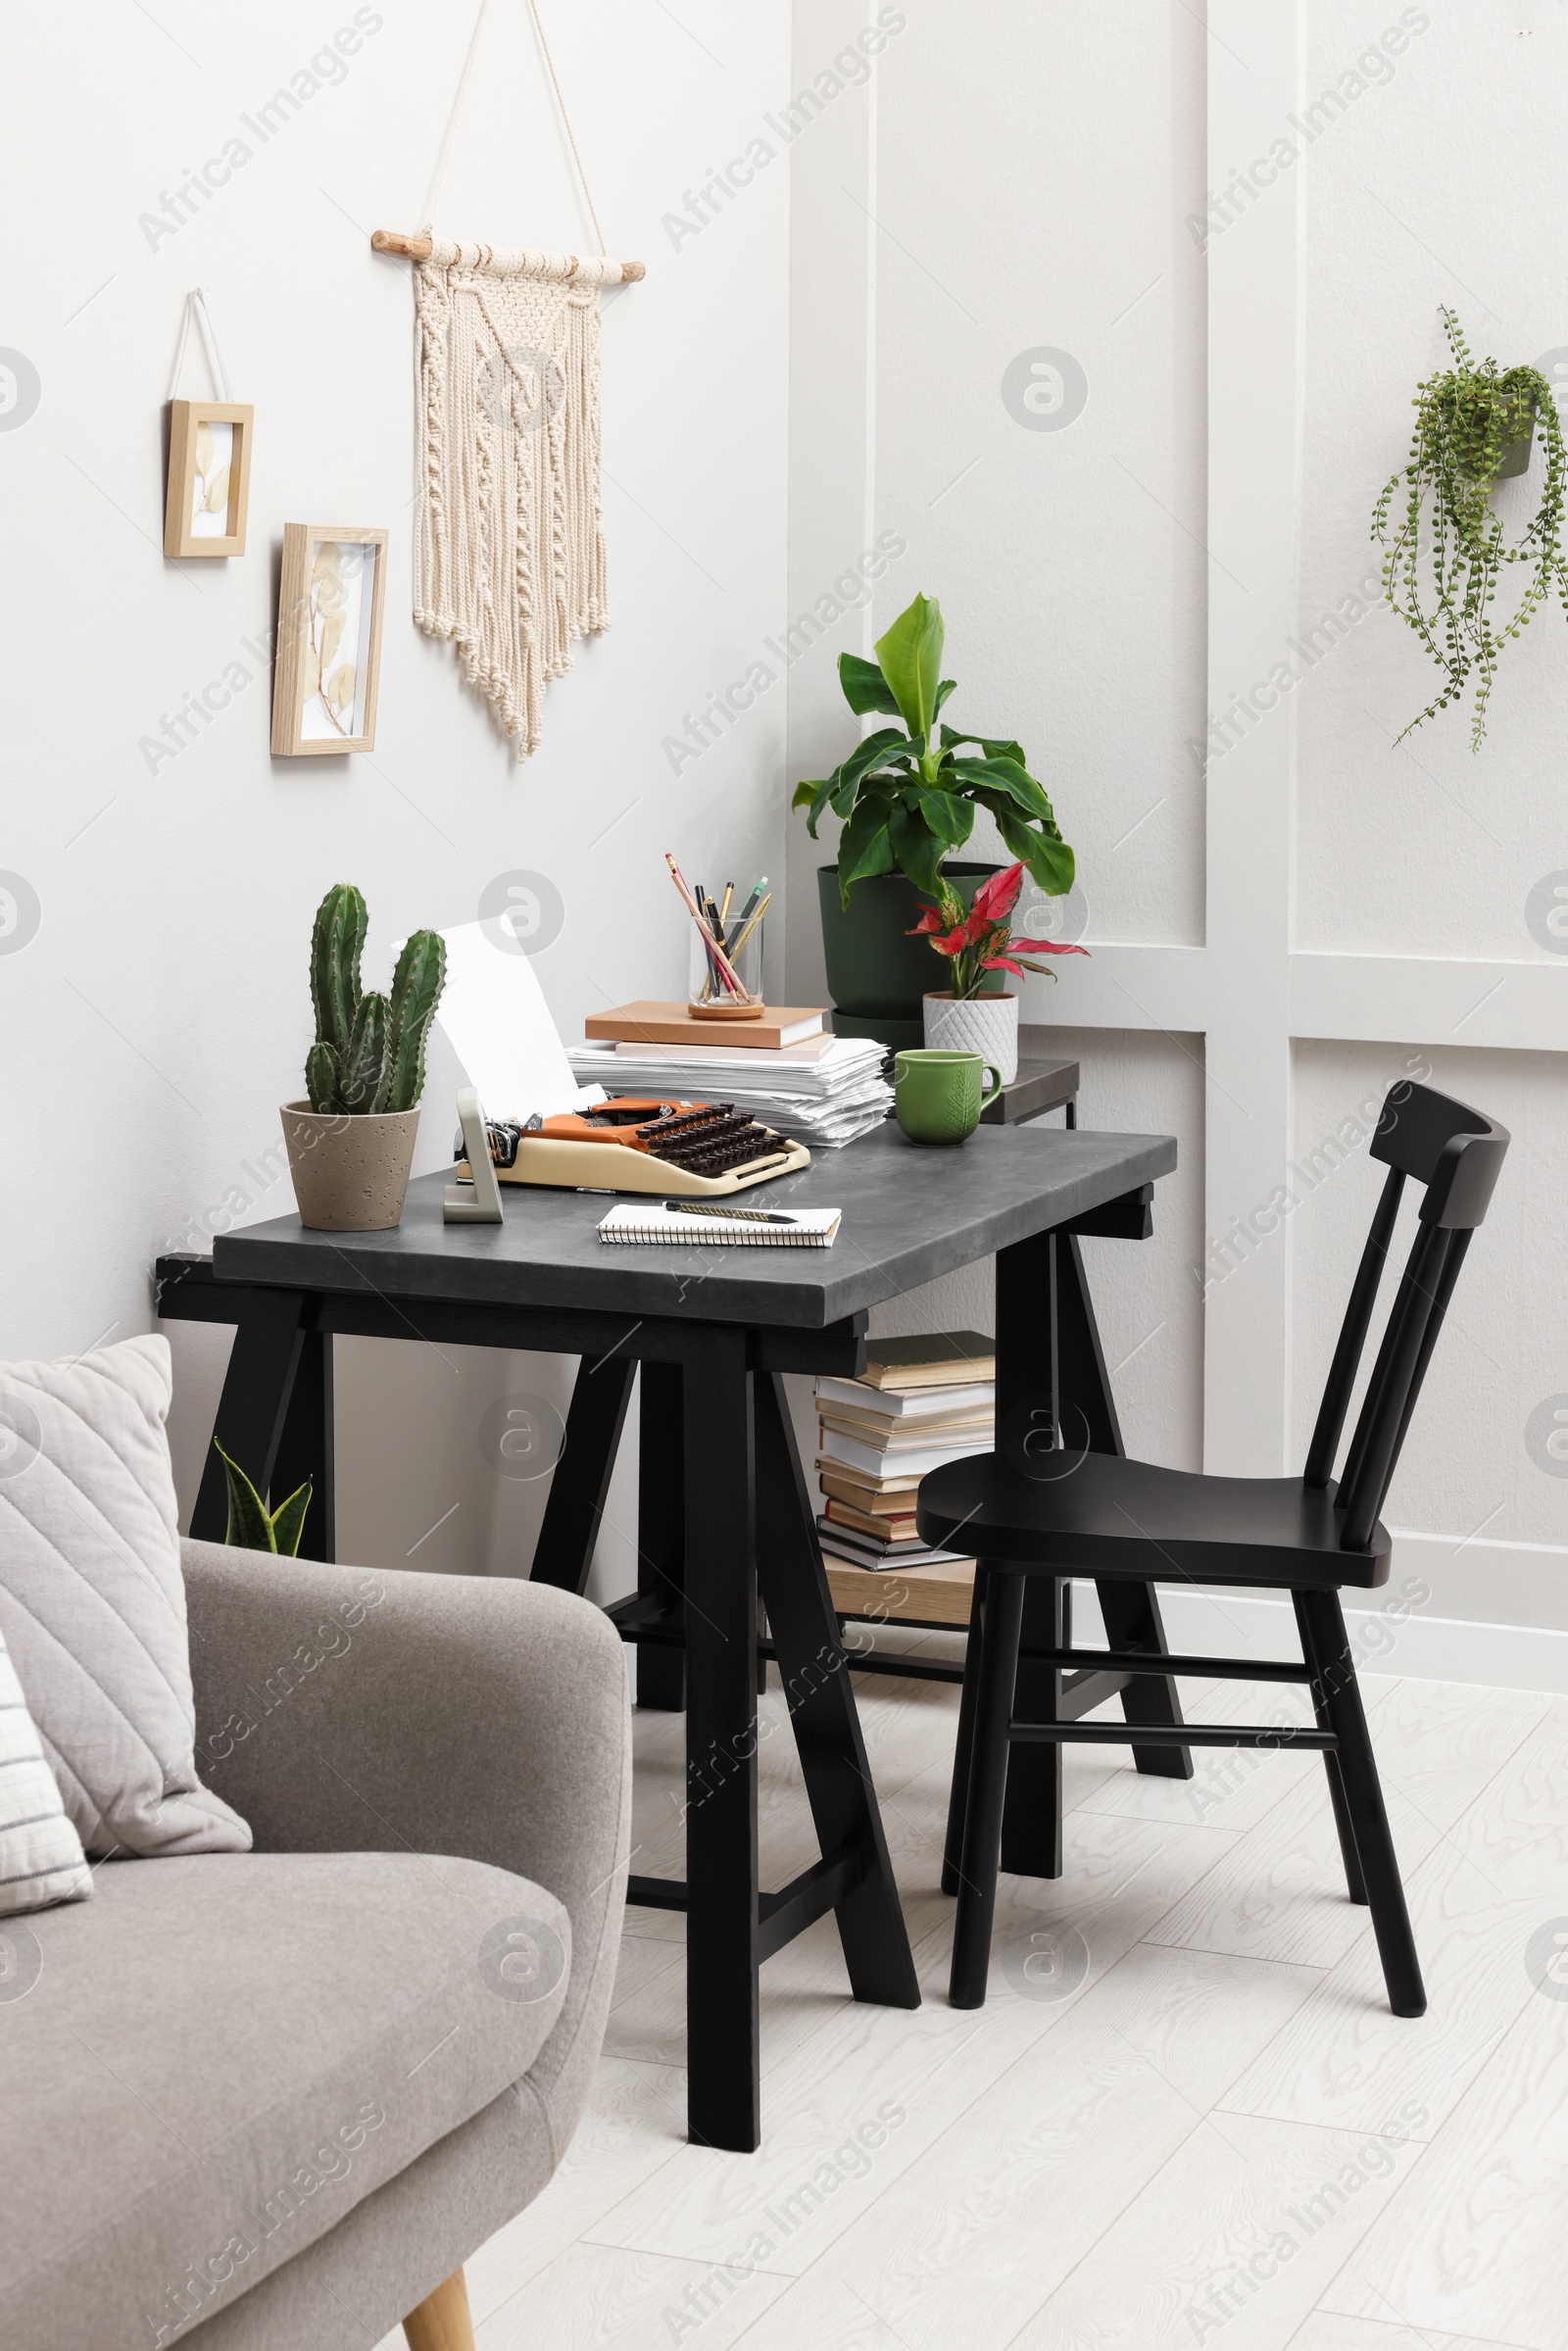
{"points": [[1219, 2135]]}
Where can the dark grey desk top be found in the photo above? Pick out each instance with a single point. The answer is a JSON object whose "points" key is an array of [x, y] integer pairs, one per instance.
{"points": [[909, 1215]]}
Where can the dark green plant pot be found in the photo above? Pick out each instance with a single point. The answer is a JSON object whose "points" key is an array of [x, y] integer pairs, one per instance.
{"points": [[1516, 457], [876, 974]]}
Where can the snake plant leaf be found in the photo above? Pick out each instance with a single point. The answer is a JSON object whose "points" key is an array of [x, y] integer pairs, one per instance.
{"points": [[365, 1062], [288, 1520], [910, 654], [865, 847], [248, 1522], [917, 849], [864, 686]]}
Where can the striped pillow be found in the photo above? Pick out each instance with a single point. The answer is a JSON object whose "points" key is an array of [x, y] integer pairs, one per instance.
{"points": [[41, 1853]]}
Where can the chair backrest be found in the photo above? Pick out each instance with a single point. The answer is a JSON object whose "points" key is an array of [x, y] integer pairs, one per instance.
{"points": [[1456, 1153]]}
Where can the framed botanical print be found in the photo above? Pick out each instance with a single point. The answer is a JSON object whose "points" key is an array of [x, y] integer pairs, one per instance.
{"points": [[208, 476], [328, 639]]}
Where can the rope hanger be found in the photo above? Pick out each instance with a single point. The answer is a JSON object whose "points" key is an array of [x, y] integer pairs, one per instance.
{"points": [[420, 248], [196, 308]]}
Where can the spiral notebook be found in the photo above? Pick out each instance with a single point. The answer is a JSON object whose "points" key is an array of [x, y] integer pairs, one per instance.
{"points": [[731, 1228]]}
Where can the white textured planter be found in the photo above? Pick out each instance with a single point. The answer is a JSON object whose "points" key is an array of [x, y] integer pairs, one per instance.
{"points": [[349, 1174], [987, 1025]]}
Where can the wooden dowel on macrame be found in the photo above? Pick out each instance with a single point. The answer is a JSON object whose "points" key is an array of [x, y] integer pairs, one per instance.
{"points": [[418, 248]]}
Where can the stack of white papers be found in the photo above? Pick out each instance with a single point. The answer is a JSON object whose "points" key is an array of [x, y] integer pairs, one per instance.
{"points": [[819, 1098]]}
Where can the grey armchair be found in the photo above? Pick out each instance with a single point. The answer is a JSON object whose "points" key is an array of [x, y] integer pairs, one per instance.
{"points": [[273, 2101]]}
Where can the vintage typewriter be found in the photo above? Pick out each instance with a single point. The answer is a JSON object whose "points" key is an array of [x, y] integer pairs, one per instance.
{"points": [[633, 1143]]}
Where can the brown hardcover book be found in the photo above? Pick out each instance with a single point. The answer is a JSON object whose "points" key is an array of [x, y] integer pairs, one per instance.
{"points": [[903, 1436], [937, 1595], [935, 1360], [879, 1495], [893, 1528], [650, 1022]]}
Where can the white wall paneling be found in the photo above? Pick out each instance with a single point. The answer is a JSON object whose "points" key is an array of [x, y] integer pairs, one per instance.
{"points": [[1241, 228]]}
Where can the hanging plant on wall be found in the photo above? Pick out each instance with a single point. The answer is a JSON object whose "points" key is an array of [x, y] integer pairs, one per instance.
{"points": [[1474, 428]]}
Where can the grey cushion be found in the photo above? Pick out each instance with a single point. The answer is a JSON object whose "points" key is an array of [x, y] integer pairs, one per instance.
{"points": [[92, 1599], [223, 2055]]}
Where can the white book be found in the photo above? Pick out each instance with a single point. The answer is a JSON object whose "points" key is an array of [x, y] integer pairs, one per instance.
{"points": [[836, 1446], [921, 1403], [737, 1227]]}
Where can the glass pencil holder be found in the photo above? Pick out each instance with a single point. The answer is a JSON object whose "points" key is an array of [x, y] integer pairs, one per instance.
{"points": [[714, 994]]}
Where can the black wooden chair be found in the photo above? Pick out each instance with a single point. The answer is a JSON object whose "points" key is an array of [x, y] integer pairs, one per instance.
{"points": [[1109, 1517]]}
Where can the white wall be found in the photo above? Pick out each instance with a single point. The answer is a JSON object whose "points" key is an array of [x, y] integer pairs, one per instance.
{"points": [[1285, 919], [1275, 931], [160, 1015]]}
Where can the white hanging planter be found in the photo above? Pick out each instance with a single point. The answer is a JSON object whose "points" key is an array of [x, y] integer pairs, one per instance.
{"points": [[987, 1025]]}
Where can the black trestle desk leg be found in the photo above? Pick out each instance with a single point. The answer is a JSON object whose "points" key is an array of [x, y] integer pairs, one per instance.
{"points": [[580, 1481], [1026, 1407], [815, 1676], [305, 1448], [660, 1529], [722, 1911], [251, 1411]]}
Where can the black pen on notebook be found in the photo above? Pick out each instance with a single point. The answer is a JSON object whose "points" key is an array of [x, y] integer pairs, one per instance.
{"points": [[689, 1207]]}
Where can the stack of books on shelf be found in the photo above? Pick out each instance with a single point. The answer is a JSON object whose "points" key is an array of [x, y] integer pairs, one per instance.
{"points": [[921, 1401], [783, 1069]]}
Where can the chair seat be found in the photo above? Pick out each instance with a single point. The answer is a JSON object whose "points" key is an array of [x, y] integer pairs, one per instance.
{"points": [[1104, 1515], [212, 2061]]}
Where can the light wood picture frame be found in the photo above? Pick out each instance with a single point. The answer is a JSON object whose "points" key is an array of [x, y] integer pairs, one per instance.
{"points": [[208, 476], [328, 639]]}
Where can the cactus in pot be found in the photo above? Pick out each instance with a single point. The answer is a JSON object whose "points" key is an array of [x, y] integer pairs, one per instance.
{"points": [[368, 1054], [351, 1144]]}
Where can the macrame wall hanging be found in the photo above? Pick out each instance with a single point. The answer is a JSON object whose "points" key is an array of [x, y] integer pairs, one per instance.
{"points": [[509, 534]]}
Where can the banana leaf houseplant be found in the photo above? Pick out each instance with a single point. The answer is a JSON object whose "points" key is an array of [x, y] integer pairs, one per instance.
{"points": [[907, 796], [350, 1141]]}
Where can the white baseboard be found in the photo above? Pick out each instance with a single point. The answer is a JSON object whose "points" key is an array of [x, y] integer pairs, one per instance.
{"points": [[1385, 1641]]}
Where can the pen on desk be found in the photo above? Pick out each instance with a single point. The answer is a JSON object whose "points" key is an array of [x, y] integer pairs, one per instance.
{"points": [[690, 1207], [744, 916]]}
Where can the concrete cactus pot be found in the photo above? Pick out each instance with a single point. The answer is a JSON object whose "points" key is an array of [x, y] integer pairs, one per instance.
{"points": [[987, 1025], [349, 1174]]}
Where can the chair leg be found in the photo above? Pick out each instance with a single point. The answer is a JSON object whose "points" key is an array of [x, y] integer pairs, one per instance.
{"points": [[442, 2322], [987, 1788], [1353, 1879], [958, 1796], [1380, 1868]]}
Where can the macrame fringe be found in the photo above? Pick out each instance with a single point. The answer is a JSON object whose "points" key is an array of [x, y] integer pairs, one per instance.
{"points": [[509, 542]]}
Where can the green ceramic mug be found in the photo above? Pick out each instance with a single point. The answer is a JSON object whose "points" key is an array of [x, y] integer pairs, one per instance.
{"points": [[937, 1094]]}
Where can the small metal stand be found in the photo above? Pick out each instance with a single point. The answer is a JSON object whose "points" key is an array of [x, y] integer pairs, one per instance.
{"points": [[478, 1202]]}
